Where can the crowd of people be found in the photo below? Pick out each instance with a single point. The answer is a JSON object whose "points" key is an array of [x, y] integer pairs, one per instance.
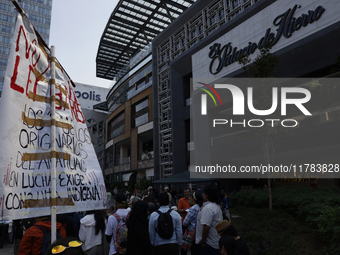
{"points": [[143, 226]]}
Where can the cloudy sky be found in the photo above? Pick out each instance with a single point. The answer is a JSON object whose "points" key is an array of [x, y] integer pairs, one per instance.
{"points": [[76, 28]]}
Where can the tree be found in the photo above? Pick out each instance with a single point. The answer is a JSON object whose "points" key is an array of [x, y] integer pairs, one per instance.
{"points": [[262, 67]]}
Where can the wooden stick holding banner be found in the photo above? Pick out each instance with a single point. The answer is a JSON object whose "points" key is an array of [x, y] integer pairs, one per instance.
{"points": [[21, 12], [53, 149]]}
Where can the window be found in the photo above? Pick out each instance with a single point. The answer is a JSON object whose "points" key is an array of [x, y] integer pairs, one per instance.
{"points": [[6, 29], [5, 17], [4, 50], [140, 113], [122, 152], [3, 61], [116, 126]]}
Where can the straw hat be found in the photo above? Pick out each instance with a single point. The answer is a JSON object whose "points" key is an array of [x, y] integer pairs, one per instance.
{"points": [[222, 226]]}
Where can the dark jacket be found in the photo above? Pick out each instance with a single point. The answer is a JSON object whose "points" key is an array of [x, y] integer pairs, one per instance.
{"points": [[138, 241]]}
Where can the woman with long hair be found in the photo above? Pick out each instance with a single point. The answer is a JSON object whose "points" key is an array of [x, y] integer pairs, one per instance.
{"points": [[138, 241], [92, 228]]}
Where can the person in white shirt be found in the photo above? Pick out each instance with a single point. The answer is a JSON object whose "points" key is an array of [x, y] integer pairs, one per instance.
{"points": [[166, 190], [207, 219], [165, 246], [92, 227], [112, 224]]}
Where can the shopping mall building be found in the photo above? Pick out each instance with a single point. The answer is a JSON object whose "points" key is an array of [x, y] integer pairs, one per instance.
{"points": [[204, 42]]}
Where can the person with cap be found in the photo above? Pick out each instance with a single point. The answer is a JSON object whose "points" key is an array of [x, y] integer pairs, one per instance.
{"points": [[207, 219], [225, 228], [113, 221], [166, 190]]}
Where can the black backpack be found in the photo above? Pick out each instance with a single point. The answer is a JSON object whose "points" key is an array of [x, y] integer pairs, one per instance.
{"points": [[165, 228], [47, 238]]}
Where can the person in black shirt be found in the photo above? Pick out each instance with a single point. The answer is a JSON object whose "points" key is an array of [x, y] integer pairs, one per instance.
{"points": [[138, 240], [227, 245], [225, 228]]}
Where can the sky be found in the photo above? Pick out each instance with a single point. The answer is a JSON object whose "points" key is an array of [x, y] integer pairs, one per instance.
{"points": [[76, 29]]}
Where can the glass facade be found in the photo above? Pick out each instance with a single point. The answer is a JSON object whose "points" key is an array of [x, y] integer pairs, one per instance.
{"points": [[127, 89], [38, 11]]}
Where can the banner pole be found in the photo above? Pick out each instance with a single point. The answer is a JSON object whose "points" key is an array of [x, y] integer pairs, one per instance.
{"points": [[53, 152]]}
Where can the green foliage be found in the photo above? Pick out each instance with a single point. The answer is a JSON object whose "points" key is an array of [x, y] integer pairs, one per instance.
{"points": [[263, 65], [320, 209], [276, 233], [144, 184]]}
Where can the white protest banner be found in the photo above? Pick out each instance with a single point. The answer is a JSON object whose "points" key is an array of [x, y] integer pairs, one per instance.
{"points": [[25, 136]]}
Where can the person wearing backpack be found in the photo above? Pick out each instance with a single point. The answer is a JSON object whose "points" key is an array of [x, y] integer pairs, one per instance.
{"points": [[116, 230], [92, 227], [37, 238], [165, 228]]}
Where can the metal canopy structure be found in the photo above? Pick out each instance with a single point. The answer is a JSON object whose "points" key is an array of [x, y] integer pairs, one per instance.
{"points": [[133, 25]]}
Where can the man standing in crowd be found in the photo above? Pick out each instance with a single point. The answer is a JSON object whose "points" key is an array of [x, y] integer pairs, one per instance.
{"points": [[173, 193], [162, 245], [113, 221], [115, 191], [32, 241], [183, 205], [166, 190], [207, 219]]}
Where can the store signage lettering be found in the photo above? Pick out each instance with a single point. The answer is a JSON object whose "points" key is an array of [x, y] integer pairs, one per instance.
{"points": [[287, 25], [85, 95]]}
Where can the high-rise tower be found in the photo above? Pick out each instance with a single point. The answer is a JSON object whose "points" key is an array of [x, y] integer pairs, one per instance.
{"points": [[38, 11]]}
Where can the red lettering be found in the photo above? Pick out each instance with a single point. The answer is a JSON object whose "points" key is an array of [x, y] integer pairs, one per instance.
{"points": [[29, 81], [15, 86], [60, 95], [75, 106], [35, 51], [21, 30]]}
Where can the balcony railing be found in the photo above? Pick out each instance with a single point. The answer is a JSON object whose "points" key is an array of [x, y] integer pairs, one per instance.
{"points": [[123, 161]]}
